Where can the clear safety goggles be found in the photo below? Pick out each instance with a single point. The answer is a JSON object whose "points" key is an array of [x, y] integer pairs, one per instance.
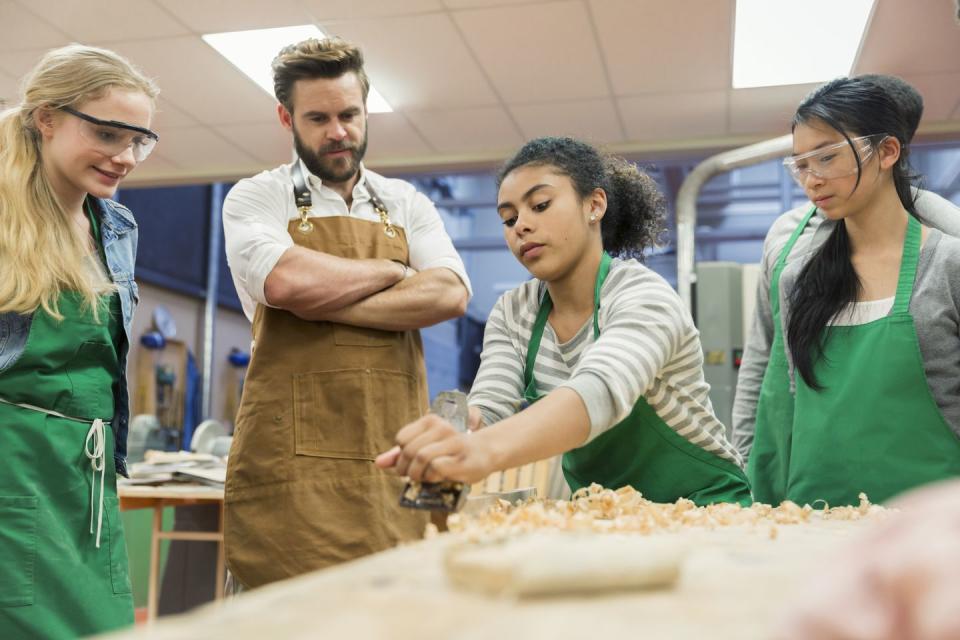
{"points": [[834, 161], [111, 138]]}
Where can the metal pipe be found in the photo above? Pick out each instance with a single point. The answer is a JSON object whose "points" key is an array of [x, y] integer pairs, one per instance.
{"points": [[213, 284], [690, 189], [786, 189]]}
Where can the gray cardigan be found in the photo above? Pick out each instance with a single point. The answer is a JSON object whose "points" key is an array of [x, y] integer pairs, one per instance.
{"points": [[933, 210]]}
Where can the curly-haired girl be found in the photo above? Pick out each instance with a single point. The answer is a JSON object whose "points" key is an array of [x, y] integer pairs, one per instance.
{"points": [[600, 347]]}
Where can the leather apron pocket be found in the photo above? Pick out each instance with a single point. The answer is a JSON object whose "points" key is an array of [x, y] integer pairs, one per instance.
{"points": [[18, 550], [351, 413]]}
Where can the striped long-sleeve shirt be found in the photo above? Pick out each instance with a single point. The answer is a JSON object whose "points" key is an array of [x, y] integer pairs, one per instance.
{"points": [[648, 347]]}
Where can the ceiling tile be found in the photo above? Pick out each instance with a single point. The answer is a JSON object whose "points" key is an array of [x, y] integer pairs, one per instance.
{"points": [[419, 62], [19, 63], [361, 9], [471, 4], [9, 91], [467, 130], [941, 93], [919, 36], [156, 162], [22, 29], [151, 178], [591, 120], [268, 143], [653, 46], [765, 109], [215, 16], [96, 21], [169, 117], [557, 60], [681, 116], [445, 65], [391, 135], [199, 82], [154, 169], [200, 149]]}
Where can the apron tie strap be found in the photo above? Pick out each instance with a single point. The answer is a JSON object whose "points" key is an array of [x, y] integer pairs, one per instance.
{"points": [[94, 449]]}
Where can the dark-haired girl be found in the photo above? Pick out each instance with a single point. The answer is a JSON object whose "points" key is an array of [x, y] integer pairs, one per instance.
{"points": [[763, 407], [871, 319], [601, 348]]}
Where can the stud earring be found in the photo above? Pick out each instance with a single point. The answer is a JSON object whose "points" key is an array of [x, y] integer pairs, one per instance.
{"points": [[593, 217]]}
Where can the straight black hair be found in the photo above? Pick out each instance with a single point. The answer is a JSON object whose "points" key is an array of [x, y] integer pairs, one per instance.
{"points": [[828, 283]]}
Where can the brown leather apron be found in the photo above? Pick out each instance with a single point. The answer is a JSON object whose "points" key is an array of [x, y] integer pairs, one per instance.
{"points": [[320, 401]]}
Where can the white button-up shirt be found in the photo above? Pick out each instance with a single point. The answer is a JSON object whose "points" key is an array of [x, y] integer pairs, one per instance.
{"points": [[257, 211]]}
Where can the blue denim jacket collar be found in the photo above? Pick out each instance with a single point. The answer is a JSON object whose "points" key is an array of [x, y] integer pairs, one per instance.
{"points": [[116, 218]]}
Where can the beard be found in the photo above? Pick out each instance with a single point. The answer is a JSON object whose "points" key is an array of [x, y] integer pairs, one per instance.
{"points": [[331, 169]]}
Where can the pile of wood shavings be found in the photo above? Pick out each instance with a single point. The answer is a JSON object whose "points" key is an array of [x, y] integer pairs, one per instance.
{"points": [[625, 510]]}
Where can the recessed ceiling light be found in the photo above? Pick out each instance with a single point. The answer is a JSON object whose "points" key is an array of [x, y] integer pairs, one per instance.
{"points": [[252, 52], [778, 42]]}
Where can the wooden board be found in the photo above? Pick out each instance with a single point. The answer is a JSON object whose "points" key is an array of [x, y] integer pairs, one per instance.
{"points": [[177, 491], [169, 495], [732, 586]]}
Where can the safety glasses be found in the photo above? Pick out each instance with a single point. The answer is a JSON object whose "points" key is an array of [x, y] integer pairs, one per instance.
{"points": [[112, 138], [833, 161]]}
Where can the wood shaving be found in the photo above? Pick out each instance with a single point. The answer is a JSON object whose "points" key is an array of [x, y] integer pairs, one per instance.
{"points": [[595, 509]]}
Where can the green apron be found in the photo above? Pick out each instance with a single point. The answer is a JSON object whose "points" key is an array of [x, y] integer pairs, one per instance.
{"points": [[63, 558], [875, 427], [770, 455], [641, 450]]}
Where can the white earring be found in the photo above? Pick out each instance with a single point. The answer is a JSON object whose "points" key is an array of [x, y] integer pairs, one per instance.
{"points": [[593, 217]]}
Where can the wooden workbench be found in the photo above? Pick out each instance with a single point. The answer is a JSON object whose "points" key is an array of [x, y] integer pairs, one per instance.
{"points": [[732, 586]]}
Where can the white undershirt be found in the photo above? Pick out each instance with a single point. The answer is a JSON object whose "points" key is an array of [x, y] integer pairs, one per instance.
{"points": [[863, 312]]}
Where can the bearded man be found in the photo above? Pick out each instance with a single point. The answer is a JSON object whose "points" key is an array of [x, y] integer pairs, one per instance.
{"points": [[337, 267]]}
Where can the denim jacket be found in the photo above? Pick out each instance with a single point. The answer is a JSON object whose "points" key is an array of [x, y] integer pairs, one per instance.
{"points": [[118, 232]]}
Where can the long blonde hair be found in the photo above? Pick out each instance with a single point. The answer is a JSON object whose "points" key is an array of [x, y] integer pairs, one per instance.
{"points": [[40, 254]]}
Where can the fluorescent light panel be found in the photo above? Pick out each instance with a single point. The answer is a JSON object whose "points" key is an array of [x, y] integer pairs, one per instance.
{"points": [[253, 51], [778, 42]]}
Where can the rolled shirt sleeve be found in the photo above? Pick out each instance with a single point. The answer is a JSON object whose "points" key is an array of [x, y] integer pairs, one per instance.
{"points": [[430, 246], [255, 233]]}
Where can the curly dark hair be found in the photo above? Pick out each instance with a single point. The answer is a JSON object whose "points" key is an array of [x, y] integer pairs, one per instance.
{"points": [[635, 207]]}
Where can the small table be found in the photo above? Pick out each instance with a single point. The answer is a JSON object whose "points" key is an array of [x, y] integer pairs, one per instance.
{"points": [[173, 495]]}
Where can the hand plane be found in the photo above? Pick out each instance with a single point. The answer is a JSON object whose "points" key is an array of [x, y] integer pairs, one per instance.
{"points": [[447, 495]]}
